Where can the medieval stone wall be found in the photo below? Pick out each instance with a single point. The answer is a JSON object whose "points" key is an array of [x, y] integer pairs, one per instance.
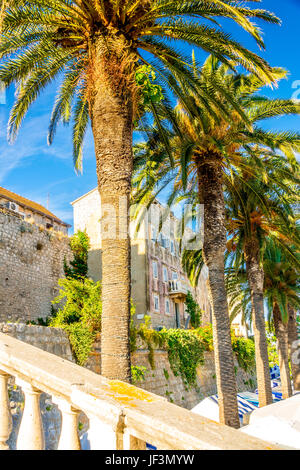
{"points": [[52, 340], [31, 262], [162, 381]]}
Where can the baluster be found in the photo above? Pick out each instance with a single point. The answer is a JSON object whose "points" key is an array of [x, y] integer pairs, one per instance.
{"points": [[69, 438], [132, 443], [31, 435], [5, 414], [102, 436]]}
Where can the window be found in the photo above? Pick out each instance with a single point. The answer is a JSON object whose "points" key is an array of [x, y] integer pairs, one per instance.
{"points": [[155, 270], [153, 234], [167, 306], [165, 242], [174, 275], [156, 303], [165, 274], [172, 248]]}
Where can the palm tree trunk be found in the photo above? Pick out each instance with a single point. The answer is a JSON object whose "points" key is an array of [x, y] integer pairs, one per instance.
{"points": [[211, 195], [294, 345], [111, 109], [281, 332], [255, 275]]}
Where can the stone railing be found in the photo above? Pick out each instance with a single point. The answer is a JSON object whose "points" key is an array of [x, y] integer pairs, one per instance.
{"points": [[121, 416]]}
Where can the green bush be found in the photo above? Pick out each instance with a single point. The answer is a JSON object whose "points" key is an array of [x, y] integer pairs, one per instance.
{"points": [[185, 351], [79, 244], [138, 374], [80, 314], [272, 348], [244, 350], [205, 334], [81, 339], [151, 337]]}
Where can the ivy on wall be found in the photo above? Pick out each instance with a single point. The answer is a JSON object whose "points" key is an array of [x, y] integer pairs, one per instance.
{"points": [[193, 310], [186, 348]]}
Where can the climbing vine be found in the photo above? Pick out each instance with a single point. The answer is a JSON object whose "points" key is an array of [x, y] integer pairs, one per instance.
{"points": [[193, 309], [185, 353]]}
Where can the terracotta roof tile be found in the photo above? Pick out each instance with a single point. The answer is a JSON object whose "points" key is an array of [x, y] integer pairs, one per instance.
{"points": [[29, 204]]}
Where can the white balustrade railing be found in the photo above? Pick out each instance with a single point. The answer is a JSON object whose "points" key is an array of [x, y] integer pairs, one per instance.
{"points": [[121, 416]]}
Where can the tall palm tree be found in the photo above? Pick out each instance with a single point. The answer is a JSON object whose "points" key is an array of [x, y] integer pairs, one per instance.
{"points": [[282, 289], [293, 338], [95, 48], [258, 210], [206, 148]]}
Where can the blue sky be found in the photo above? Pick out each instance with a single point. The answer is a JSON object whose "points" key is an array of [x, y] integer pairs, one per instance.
{"points": [[33, 169]]}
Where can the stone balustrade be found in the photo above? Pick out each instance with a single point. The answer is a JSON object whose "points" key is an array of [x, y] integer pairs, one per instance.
{"points": [[121, 416]]}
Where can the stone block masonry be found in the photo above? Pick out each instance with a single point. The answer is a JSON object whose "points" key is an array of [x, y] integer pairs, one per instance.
{"points": [[31, 262], [162, 381], [52, 340]]}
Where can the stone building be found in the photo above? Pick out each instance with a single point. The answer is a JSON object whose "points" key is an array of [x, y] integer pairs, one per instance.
{"points": [[159, 285], [31, 263], [31, 212]]}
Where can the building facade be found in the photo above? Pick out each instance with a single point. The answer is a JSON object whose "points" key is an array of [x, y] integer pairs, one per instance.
{"points": [[31, 212], [31, 263], [159, 284]]}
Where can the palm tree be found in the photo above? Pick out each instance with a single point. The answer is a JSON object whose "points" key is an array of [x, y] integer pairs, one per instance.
{"points": [[94, 47], [206, 148], [258, 210], [282, 289], [293, 337]]}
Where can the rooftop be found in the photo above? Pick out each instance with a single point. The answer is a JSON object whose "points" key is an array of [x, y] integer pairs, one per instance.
{"points": [[29, 205]]}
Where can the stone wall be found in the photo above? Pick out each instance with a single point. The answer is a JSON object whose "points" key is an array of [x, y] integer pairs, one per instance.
{"points": [[52, 340], [162, 381], [31, 262]]}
